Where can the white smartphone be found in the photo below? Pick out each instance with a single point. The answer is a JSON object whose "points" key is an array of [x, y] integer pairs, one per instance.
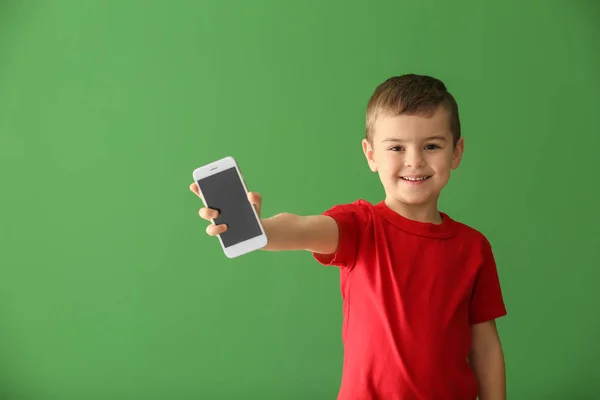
{"points": [[222, 188]]}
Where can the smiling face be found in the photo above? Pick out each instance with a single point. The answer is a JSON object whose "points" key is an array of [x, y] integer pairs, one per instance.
{"points": [[414, 155]]}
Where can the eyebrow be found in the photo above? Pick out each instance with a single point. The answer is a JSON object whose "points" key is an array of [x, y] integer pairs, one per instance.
{"points": [[437, 137]]}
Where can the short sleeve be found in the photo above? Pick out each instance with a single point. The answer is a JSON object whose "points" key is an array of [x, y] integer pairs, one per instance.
{"points": [[487, 302], [351, 220]]}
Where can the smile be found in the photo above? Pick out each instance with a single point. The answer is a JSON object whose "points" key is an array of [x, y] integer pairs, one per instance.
{"points": [[415, 179]]}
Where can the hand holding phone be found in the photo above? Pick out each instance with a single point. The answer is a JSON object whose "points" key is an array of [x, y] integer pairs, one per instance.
{"points": [[211, 214], [233, 211]]}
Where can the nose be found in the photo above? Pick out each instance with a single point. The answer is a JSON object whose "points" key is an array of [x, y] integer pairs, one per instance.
{"points": [[413, 158]]}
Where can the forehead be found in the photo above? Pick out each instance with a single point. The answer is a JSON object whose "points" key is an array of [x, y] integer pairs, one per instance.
{"points": [[412, 127]]}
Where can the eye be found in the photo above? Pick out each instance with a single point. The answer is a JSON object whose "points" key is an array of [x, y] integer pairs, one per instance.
{"points": [[396, 148], [432, 147]]}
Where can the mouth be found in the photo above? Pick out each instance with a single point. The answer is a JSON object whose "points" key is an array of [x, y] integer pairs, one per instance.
{"points": [[415, 179]]}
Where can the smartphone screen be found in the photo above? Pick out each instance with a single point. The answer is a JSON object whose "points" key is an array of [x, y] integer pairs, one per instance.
{"points": [[224, 192]]}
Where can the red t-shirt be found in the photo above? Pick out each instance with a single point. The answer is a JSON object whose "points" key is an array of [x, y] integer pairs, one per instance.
{"points": [[411, 292]]}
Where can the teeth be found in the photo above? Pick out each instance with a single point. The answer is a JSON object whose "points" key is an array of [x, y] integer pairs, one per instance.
{"points": [[415, 179]]}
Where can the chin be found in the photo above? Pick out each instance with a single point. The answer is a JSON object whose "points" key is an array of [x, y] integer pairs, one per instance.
{"points": [[413, 199]]}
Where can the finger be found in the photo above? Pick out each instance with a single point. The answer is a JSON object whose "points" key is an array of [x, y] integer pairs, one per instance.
{"points": [[208, 213], [256, 200], [194, 188], [214, 230]]}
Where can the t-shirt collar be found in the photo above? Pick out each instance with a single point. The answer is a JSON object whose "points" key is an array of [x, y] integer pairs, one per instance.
{"points": [[444, 230]]}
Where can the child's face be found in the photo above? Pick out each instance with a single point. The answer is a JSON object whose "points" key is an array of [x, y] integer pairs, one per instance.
{"points": [[414, 156]]}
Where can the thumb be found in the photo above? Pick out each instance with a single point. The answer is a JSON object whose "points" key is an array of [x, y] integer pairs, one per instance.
{"points": [[256, 200]]}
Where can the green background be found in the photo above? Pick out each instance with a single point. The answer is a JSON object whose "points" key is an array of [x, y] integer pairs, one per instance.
{"points": [[109, 286]]}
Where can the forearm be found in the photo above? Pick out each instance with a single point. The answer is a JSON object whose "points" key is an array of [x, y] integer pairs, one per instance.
{"points": [[282, 232], [489, 367], [293, 232]]}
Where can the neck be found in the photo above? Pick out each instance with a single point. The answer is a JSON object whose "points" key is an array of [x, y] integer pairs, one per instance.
{"points": [[418, 212]]}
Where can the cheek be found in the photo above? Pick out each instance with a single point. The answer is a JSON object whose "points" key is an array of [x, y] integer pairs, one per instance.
{"points": [[442, 164], [390, 162]]}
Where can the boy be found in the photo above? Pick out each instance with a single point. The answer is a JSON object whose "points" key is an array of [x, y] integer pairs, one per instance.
{"points": [[420, 290]]}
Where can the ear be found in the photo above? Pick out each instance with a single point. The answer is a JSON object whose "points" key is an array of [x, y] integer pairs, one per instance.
{"points": [[368, 150], [458, 153]]}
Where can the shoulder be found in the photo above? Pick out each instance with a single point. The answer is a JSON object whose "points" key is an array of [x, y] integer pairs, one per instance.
{"points": [[471, 236], [355, 216], [360, 209]]}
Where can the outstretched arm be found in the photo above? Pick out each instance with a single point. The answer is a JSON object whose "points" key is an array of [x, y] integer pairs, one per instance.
{"points": [[285, 231], [315, 233]]}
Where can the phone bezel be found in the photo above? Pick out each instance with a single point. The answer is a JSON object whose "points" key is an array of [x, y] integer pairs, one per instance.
{"points": [[246, 246]]}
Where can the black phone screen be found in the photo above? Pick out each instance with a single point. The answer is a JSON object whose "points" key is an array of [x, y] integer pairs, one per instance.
{"points": [[224, 192]]}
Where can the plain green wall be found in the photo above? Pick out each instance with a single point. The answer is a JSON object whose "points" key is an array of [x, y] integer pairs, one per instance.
{"points": [[109, 287]]}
